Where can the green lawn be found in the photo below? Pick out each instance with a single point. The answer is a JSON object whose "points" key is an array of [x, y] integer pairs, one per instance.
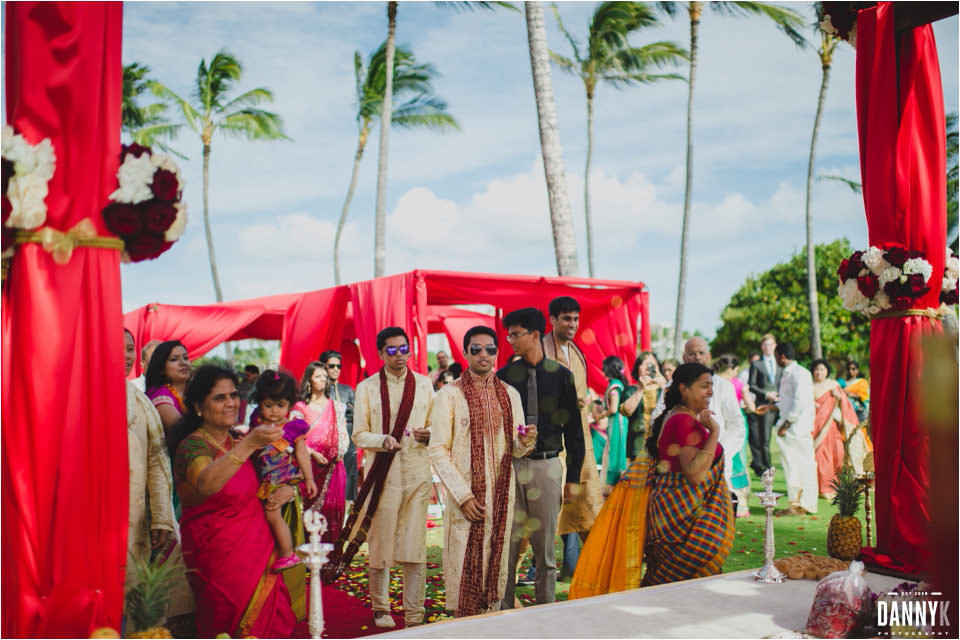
{"points": [[792, 535]]}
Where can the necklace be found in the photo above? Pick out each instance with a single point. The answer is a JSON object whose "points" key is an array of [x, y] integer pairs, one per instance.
{"points": [[209, 438], [176, 396]]}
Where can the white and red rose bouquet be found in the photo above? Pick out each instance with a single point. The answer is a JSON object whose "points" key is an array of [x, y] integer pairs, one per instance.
{"points": [[27, 168], [885, 278], [146, 210]]}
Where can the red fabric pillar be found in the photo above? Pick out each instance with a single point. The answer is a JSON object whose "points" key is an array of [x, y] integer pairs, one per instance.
{"points": [[903, 165], [64, 450]]}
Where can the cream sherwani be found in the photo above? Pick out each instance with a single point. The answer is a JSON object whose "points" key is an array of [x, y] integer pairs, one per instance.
{"points": [[578, 516], [450, 453], [151, 492], [797, 412], [398, 529]]}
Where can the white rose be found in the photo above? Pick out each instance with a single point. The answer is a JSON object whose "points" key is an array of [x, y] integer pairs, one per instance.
{"points": [[949, 284], [882, 300], [6, 140], [179, 223], [873, 258], [164, 161], [27, 194], [953, 267], [851, 297], [134, 176], [873, 309], [918, 265], [889, 275]]}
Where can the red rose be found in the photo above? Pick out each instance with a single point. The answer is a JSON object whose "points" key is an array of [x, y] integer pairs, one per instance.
{"points": [[842, 270], [165, 185], [146, 246], [135, 150], [855, 265], [7, 208], [122, 219], [896, 255], [159, 216], [868, 285], [950, 297], [916, 285]]}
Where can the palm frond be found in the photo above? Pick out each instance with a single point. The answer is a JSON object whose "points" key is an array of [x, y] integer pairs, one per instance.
{"points": [[190, 115], [613, 22], [565, 64], [566, 34], [253, 124], [655, 54], [855, 186], [668, 8], [476, 6], [251, 98], [787, 20], [435, 121]]}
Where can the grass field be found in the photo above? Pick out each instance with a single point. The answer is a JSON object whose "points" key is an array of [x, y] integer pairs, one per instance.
{"points": [[792, 535]]}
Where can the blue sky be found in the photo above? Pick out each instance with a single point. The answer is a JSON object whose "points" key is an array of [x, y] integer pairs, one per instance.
{"points": [[475, 200]]}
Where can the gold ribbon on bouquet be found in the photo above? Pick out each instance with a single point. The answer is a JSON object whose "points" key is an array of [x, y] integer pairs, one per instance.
{"points": [[60, 244]]}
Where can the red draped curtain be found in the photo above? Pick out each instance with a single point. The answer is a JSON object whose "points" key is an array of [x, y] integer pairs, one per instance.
{"points": [[903, 165], [64, 420]]}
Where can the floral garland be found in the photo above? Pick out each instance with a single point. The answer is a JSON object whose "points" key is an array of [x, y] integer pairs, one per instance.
{"points": [[949, 292], [884, 278], [146, 210], [27, 168]]}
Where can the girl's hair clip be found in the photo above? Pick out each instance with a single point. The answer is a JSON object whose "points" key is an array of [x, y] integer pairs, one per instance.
{"points": [[276, 376]]}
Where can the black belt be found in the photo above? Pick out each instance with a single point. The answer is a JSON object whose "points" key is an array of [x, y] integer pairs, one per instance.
{"points": [[543, 455]]}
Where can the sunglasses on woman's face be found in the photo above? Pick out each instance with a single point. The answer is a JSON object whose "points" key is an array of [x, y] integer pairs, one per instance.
{"points": [[475, 349], [392, 351]]}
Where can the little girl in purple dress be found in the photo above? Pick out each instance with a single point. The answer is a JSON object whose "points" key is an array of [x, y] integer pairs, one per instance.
{"points": [[282, 464]]}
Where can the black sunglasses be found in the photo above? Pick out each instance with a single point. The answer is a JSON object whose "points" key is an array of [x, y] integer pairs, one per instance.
{"points": [[392, 351], [333, 366], [475, 349]]}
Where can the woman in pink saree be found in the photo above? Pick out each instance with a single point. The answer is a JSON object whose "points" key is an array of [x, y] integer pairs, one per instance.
{"points": [[327, 441], [227, 544]]}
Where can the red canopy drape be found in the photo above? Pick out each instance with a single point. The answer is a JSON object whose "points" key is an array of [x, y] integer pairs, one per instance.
{"points": [[903, 165], [64, 447]]}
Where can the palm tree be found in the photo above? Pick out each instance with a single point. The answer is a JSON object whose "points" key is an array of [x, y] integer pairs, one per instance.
{"points": [[380, 229], [418, 108], [828, 44], [609, 57], [788, 21], [211, 109], [561, 221], [148, 124]]}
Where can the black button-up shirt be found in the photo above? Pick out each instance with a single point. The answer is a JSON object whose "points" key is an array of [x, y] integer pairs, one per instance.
{"points": [[558, 422]]}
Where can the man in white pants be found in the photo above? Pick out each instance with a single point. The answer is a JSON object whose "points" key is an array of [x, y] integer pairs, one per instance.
{"points": [[795, 433]]}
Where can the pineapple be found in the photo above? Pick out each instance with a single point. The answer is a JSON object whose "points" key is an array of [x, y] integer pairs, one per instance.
{"points": [[844, 539], [148, 597]]}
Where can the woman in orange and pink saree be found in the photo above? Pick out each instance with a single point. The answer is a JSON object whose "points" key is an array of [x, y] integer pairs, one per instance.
{"points": [[227, 543], [671, 509], [836, 420]]}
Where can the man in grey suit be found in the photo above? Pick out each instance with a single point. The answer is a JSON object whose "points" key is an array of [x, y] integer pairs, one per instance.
{"points": [[764, 380]]}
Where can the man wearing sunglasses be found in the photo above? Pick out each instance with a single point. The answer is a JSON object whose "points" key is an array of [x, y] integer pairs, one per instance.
{"points": [[389, 423], [333, 362], [477, 426], [549, 395], [576, 517]]}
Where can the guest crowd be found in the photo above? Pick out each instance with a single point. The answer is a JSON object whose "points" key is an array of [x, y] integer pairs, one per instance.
{"points": [[653, 472]]}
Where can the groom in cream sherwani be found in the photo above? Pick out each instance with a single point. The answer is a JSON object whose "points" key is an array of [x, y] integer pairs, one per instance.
{"points": [[477, 426]]}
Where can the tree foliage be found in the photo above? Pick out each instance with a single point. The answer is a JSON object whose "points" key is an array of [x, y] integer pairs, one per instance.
{"points": [[776, 302]]}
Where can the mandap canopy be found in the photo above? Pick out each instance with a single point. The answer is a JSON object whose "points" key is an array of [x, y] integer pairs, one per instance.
{"points": [[348, 317]]}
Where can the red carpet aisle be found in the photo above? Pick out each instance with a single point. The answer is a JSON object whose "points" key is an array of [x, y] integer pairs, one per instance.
{"points": [[344, 616]]}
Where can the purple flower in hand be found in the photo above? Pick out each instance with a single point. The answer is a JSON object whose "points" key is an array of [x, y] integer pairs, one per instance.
{"points": [[522, 429]]}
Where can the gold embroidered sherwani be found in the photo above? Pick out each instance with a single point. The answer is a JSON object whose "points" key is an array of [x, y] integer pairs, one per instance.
{"points": [[151, 493], [450, 440], [399, 526], [578, 516]]}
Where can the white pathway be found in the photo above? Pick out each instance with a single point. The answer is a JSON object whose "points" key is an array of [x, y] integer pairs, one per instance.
{"points": [[730, 605]]}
